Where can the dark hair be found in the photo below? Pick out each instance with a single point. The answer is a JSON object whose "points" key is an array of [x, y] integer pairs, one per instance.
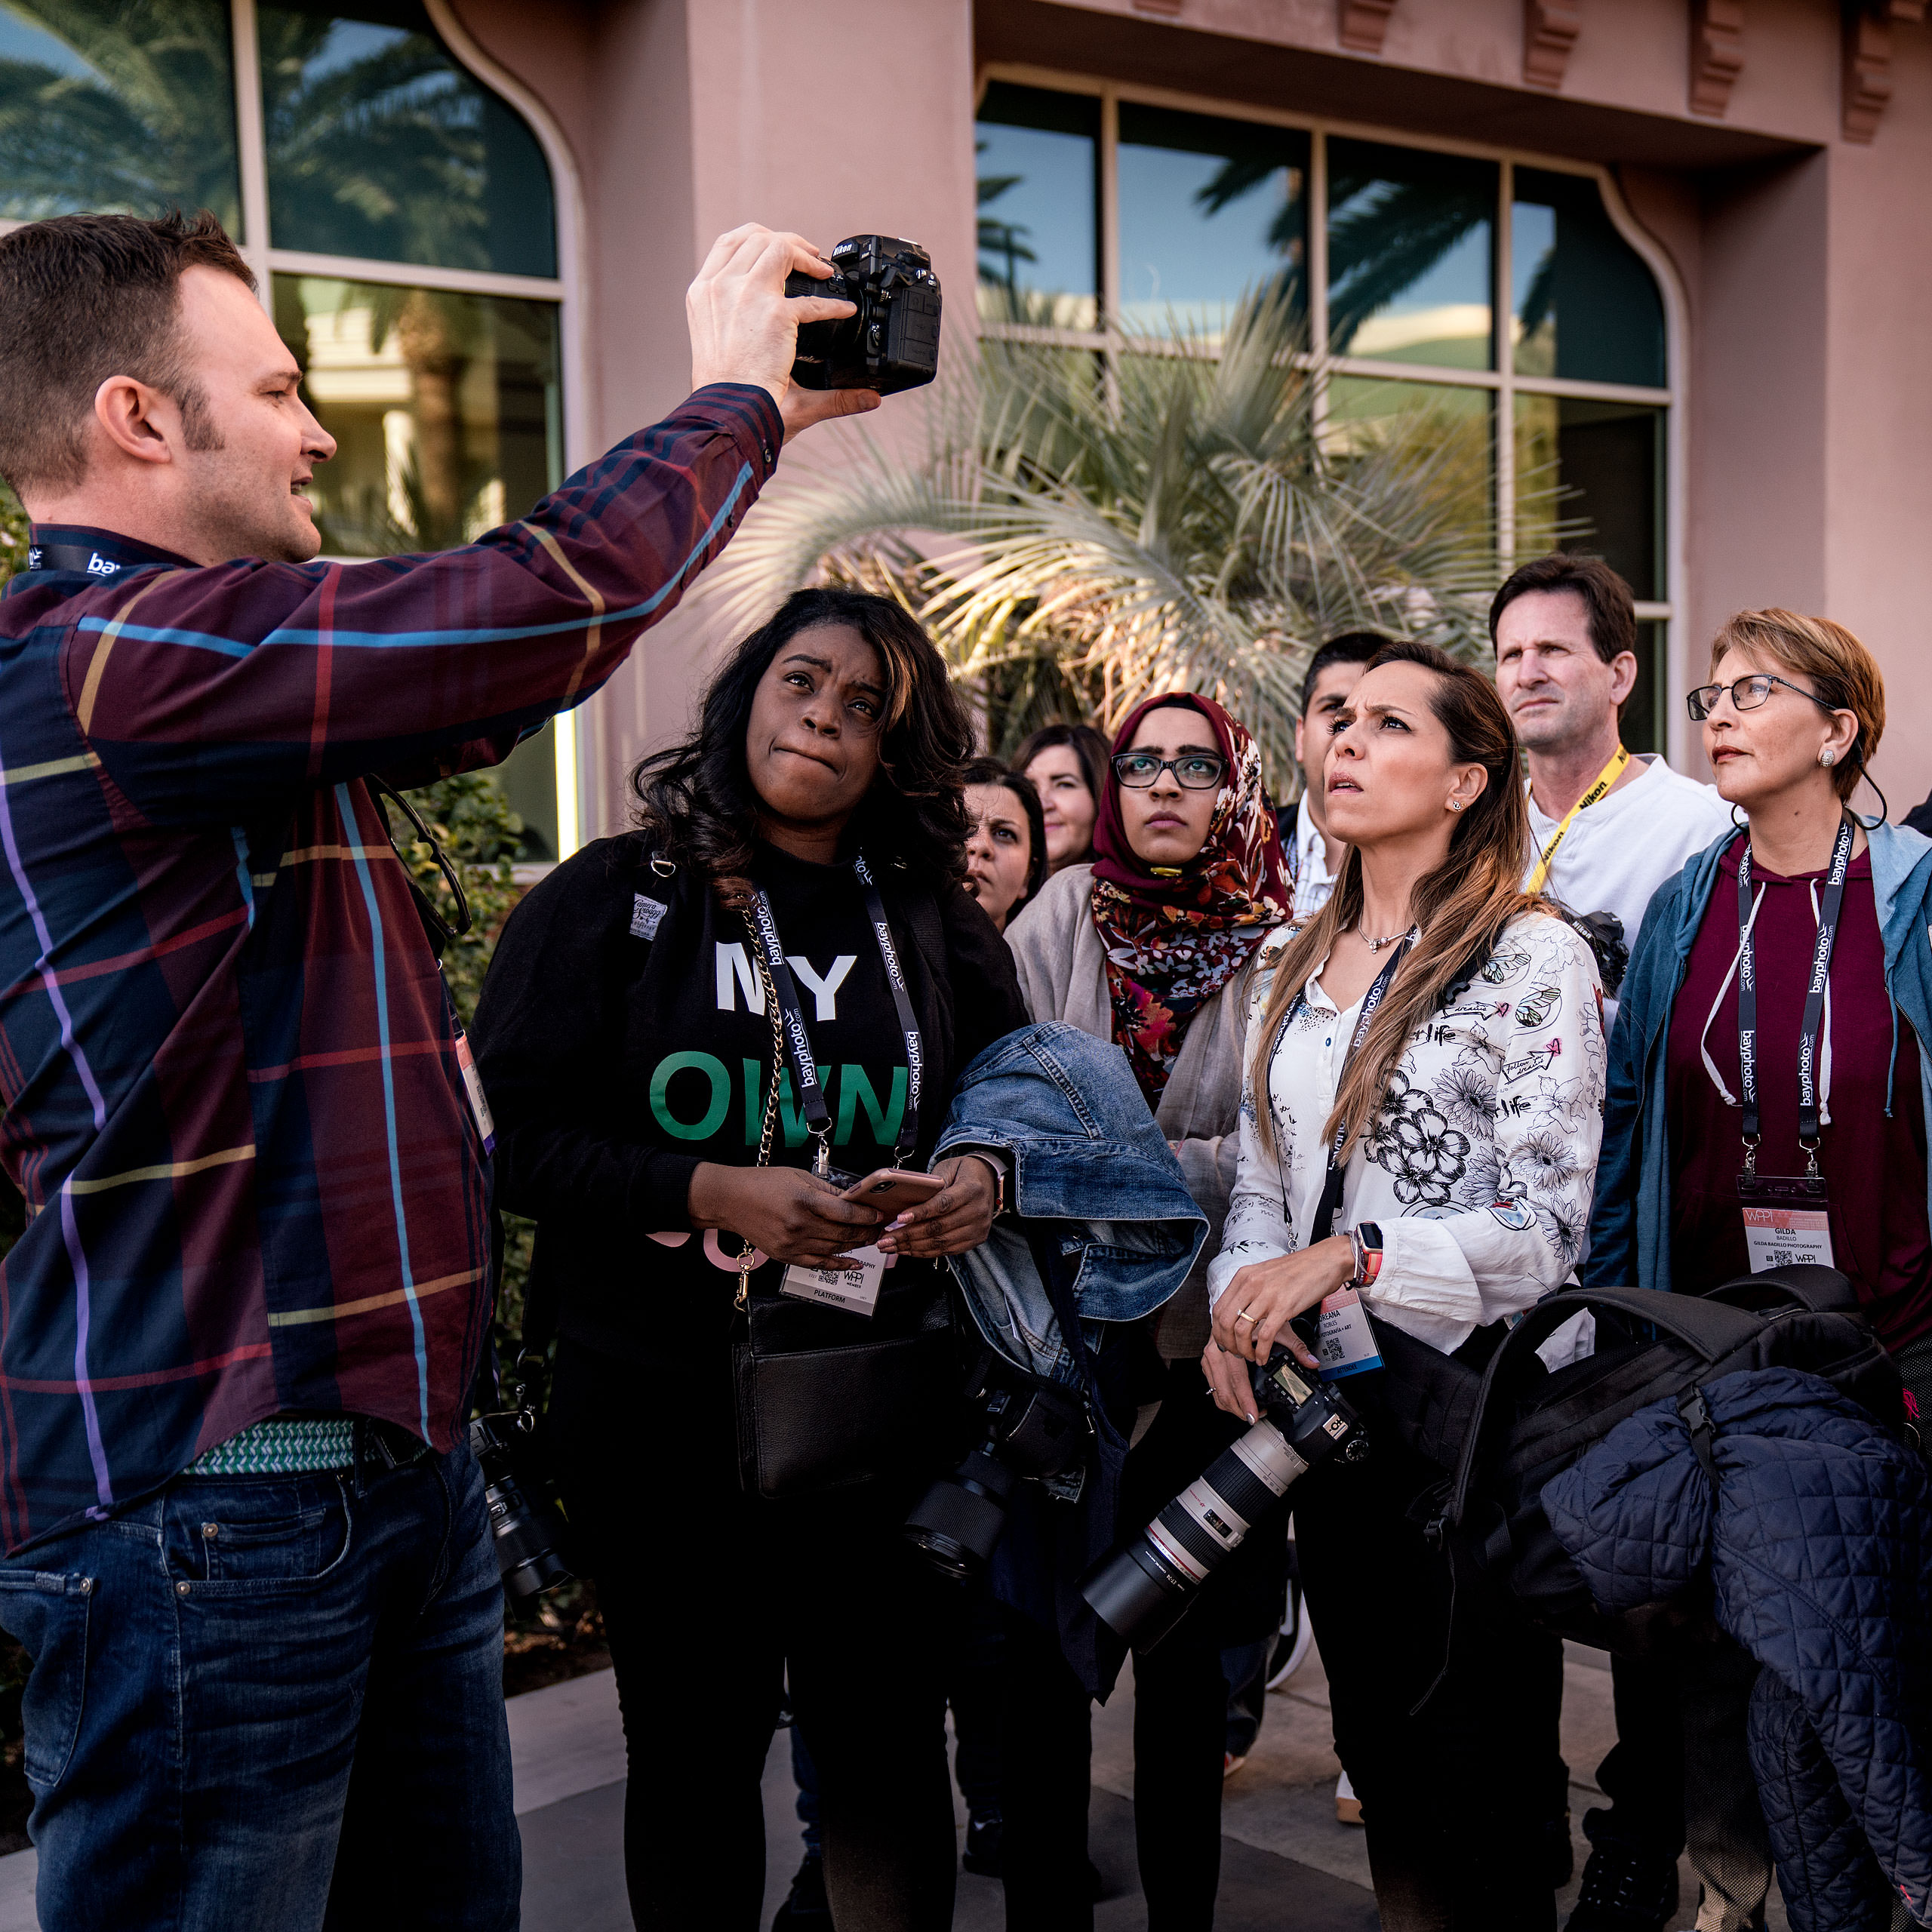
{"points": [[696, 800], [1350, 647], [1461, 907], [1607, 599], [990, 771], [1089, 746], [85, 297]]}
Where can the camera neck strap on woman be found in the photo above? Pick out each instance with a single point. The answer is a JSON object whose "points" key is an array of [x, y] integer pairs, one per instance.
{"points": [[797, 1042], [1331, 1204]]}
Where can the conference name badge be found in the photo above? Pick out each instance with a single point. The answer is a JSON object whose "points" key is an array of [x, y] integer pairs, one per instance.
{"points": [[1781, 1237], [855, 1289], [1345, 1344]]}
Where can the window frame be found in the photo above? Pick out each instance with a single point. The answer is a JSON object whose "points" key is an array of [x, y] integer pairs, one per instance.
{"points": [[577, 737], [1502, 383]]}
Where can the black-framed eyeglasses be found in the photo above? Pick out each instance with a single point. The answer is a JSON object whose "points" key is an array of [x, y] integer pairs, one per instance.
{"points": [[1747, 694], [1193, 771]]}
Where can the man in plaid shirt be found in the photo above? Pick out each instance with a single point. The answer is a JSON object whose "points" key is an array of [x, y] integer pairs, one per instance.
{"points": [[246, 1543]]}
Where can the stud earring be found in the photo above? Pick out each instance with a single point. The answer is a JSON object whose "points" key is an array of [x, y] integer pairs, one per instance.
{"points": [[1455, 804], [1827, 756]]}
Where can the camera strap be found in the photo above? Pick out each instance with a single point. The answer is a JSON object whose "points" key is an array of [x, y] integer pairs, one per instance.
{"points": [[1331, 1189], [797, 1041]]}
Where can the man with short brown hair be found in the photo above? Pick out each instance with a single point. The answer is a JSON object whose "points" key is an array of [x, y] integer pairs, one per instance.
{"points": [[240, 1330]]}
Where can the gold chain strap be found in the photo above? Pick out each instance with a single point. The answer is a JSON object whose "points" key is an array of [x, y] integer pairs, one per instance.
{"points": [[771, 1121]]}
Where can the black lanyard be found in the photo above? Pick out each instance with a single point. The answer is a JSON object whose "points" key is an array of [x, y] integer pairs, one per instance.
{"points": [[1331, 1190], [1813, 1022], [103, 559], [798, 1042]]}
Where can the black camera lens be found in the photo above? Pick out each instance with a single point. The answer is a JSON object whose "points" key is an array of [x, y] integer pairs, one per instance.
{"points": [[524, 1527], [957, 1524]]}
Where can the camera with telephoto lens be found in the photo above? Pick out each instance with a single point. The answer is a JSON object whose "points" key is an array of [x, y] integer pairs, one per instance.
{"points": [[526, 1526], [1141, 1591], [1033, 1427], [892, 343]]}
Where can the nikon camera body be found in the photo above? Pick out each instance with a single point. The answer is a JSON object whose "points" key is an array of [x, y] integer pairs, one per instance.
{"points": [[892, 343]]}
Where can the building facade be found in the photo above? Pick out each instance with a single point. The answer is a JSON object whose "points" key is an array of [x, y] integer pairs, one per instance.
{"points": [[1656, 266]]}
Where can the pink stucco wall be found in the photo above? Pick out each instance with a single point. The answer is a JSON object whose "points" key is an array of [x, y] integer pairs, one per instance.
{"points": [[1803, 260]]}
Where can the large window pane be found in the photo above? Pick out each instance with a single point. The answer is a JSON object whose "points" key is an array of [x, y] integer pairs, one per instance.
{"points": [[1208, 208], [1411, 272], [1039, 175], [127, 108], [1585, 306], [446, 408], [1448, 431], [1589, 476], [380, 145]]}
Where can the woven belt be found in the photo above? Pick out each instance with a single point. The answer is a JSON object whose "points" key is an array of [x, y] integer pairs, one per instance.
{"points": [[305, 1445]]}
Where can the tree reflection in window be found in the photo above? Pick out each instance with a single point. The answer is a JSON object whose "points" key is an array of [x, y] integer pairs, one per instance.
{"points": [[122, 106], [379, 145]]}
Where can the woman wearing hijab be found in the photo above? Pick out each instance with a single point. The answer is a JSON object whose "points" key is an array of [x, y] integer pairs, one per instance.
{"points": [[1151, 946]]}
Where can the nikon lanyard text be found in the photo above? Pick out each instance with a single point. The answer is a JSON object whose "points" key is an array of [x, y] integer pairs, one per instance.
{"points": [[1814, 1004], [798, 1042], [1605, 778]]}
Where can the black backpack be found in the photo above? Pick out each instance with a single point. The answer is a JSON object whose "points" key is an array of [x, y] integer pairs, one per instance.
{"points": [[1504, 1430]]}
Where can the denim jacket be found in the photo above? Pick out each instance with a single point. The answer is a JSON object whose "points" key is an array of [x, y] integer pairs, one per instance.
{"points": [[1088, 1157], [1630, 1223]]}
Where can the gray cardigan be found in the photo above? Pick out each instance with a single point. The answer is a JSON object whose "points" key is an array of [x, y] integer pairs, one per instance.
{"points": [[1063, 976]]}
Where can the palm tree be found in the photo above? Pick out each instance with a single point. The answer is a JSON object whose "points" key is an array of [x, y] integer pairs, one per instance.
{"points": [[1076, 538]]}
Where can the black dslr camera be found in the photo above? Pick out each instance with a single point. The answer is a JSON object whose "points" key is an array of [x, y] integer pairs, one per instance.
{"points": [[892, 343], [526, 1526], [1032, 1427], [1142, 1590]]}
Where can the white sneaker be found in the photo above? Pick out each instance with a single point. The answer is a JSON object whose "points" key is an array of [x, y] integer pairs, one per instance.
{"points": [[1348, 1806]]}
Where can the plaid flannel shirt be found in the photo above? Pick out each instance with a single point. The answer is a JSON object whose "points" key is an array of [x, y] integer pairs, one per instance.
{"points": [[233, 1101]]}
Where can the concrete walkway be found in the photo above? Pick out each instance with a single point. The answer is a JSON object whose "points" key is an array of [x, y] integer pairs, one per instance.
{"points": [[1285, 1861]]}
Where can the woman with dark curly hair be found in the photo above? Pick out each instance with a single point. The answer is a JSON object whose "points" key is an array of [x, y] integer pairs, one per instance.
{"points": [[686, 1031]]}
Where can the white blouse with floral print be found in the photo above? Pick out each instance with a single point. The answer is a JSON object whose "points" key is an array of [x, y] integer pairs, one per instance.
{"points": [[1480, 1167]]}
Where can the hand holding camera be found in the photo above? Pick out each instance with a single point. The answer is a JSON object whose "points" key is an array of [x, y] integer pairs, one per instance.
{"points": [[1255, 1310], [744, 330]]}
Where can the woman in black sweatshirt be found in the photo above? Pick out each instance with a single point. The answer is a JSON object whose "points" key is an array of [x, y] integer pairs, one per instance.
{"points": [[625, 1042]]}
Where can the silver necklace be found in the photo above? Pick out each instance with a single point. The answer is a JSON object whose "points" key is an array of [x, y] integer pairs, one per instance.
{"points": [[1375, 945]]}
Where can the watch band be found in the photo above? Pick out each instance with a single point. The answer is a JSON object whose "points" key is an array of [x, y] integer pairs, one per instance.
{"points": [[999, 1178]]}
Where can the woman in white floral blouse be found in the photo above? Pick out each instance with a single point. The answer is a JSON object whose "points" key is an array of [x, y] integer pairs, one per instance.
{"points": [[1460, 1096]]}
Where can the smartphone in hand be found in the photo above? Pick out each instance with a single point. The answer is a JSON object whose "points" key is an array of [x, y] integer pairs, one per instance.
{"points": [[893, 1190]]}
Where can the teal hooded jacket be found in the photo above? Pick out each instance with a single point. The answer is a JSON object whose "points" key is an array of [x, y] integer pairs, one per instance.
{"points": [[1630, 1218]]}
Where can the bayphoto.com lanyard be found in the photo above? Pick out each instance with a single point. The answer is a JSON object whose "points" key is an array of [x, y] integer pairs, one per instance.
{"points": [[798, 1042], [1813, 1097], [1605, 778], [1331, 1186]]}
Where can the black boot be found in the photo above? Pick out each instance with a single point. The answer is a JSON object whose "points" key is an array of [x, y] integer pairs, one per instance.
{"points": [[1626, 1888], [804, 1909]]}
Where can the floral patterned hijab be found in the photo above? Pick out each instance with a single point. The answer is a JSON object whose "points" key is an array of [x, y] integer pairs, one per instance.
{"points": [[1173, 942]]}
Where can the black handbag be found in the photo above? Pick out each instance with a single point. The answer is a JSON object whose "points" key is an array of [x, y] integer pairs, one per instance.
{"points": [[829, 1400]]}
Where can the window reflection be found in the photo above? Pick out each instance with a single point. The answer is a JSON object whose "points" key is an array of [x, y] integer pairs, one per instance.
{"points": [[446, 407], [1585, 306], [1208, 208], [1038, 186], [380, 145], [1589, 476], [1450, 429], [127, 108], [1642, 725], [1410, 263]]}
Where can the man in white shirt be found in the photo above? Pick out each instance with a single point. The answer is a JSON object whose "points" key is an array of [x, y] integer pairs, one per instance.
{"points": [[1332, 673], [1610, 826]]}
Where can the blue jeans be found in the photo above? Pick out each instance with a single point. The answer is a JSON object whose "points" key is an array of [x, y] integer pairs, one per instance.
{"points": [[273, 1703]]}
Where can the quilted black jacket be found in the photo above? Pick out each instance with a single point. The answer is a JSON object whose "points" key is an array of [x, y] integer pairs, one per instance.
{"points": [[1818, 1542]]}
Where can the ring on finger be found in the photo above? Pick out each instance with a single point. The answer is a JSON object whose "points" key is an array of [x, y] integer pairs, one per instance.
{"points": [[1242, 1315]]}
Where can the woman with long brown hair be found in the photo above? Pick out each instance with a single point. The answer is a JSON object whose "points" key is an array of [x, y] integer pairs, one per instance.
{"points": [[1419, 1135]]}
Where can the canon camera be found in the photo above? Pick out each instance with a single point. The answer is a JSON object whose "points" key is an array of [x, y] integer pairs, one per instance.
{"points": [[892, 343], [1031, 1427], [1141, 1591]]}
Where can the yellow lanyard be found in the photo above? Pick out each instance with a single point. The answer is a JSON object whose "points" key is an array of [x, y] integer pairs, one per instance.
{"points": [[1606, 778]]}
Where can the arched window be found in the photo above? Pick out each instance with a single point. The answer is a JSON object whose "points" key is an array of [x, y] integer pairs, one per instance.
{"points": [[401, 218], [1500, 297]]}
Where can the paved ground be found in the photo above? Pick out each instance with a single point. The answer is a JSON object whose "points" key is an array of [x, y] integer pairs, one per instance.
{"points": [[1285, 1861]]}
